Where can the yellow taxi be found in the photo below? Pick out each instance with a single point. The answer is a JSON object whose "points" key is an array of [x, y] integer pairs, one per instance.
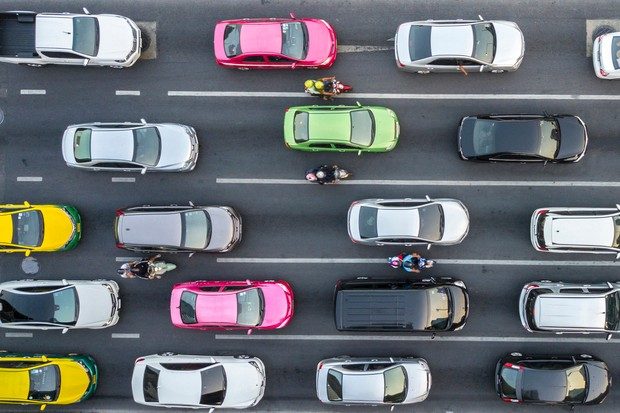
{"points": [[39, 228], [38, 379]]}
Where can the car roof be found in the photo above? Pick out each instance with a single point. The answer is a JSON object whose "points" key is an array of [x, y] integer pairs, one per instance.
{"points": [[362, 387], [452, 40], [117, 144], [261, 38], [570, 311], [398, 222], [587, 231], [179, 387], [331, 126], [149, 228], [213, 308], [544, 385]]}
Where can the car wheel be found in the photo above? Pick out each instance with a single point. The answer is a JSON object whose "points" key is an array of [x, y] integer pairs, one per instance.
{"points": [[516, 354], [242, 356], [167, 354]]}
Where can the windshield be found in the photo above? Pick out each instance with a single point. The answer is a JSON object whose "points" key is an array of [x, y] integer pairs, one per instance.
{"points": [[431, 222], [362, 127], [612, 310], [44, 383], [188, 307], [81, 145], [86, 35], [576, 384], [508, 385], [484, 42], [28, 228], [368, 222], [196, 229], [294, 40], [549, 138], [250, 307], [232, 46], [334, 385], [149, 385], [213, 386], [438, 300], [60, 307], [146, 146], [395, 387], [301, 133], [616, 243]]}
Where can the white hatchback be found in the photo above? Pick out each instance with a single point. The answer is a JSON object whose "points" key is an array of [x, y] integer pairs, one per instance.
{"points": [[606, 56]]}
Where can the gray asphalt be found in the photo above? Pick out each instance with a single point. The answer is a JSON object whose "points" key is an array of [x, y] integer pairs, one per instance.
{"points": [[242, 138]]}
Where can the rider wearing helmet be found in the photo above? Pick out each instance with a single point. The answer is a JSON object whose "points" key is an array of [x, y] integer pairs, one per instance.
{"points": [[310, 87]]}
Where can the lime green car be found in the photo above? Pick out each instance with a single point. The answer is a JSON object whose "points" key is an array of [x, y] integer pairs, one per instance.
{"points": [[341, 128]]}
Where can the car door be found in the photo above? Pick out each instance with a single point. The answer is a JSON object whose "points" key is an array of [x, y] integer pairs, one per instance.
{"points": [[116, 167], [63, 58], [280, 62], [443, 65]]}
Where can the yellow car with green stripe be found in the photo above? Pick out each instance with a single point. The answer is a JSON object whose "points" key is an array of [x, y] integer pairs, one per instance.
{"points": [[39, 228], [38, 379]]}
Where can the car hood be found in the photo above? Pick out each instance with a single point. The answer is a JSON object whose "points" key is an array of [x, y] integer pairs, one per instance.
{"points": [[67, 145], [176, 145], [95, 305], [599, 381], [386, 127], [573, 137], [74, 382], [277, 305], [510, 44], [456, 222], [466, 137], [245, 384], [58, 228], [402, 43], [460, 305], [321, 41], [418, 382], [115, 38], [223, 229]]}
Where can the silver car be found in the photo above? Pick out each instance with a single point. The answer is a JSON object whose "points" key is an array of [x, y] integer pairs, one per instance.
{"points": [[59, 304], [178, 228], [576, 230], [459, 45], [408, 221], [131, 147], [606, 56], [373, 381], [570, 308], [207, 382]]}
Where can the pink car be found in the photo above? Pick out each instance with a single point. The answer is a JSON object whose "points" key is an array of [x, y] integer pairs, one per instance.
{"points": [[275, 43], [229, 305]]}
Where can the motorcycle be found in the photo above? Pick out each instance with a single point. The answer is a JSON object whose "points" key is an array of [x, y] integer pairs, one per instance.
{"points": [[327, 174], [328, 87], [410, 262], [147, 268]]}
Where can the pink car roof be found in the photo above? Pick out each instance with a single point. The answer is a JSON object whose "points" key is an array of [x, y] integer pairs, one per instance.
{"points": [[261, 38], [217, 308]]}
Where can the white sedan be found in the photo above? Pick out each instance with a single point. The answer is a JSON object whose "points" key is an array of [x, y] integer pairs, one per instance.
{"points": [[186, 381], [606, 56]]}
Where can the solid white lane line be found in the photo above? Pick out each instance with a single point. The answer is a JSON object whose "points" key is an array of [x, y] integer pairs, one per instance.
{"points": [[127, 93], [32, 92], [18, 335], [438, 338], [438, 261], [410, 96], [126, 259], [118, 179], [359, 48], [422, 182], [29, 179], [125, 335]]}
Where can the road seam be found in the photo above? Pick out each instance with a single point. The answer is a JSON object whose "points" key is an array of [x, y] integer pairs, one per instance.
{"points": [[438, 261], [18, 335], [29, 179], [120, 179], [127, 93], [125, 335], [32, 92]]}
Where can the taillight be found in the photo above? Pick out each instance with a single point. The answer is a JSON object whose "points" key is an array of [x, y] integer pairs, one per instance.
{"points": [[286, 110], [531, 286], [602, 72], [139, 359], [119, 213], [509, 400], [320, 366], [542, 211], [120, 245], [513, 366], [399, 64]]}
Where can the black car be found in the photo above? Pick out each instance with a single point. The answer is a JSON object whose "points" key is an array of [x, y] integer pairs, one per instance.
{"points": [[370, 304], [568, 380], [522, 138]]}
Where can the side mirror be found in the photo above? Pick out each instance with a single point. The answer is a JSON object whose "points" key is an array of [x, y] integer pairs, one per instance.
{"points": [[143, 171], [294, 65], [480, 17], [618, 256], [85, 62], [617, 206], [42, 407], [191, 203], [85, 10], [44, 358], [358, 104], [292, 15], [249, 331], [609, 336], [64, 330], [64, 282], [27, 204], [143, 121], [248, 282], [392, 408], [211, 410], [190, 254], [26, 253], [428, 246], [428, 198], [359, 152]]}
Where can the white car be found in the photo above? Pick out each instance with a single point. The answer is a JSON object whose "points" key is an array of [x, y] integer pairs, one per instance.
{"points": [[186, 381], [373, 381], [606, 56], [576, 230], [59, 304], [444, 46], [130, 147], [408, 221]]}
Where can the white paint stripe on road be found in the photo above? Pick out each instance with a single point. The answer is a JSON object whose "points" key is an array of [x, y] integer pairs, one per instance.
{"points": [[117, 179], [32, 92], [29, 179], [18, 335], [410, 96], [127, 93], [438, 338], [126, 259], [422, 182], [438, 261], [125, 335], [359, 48]]}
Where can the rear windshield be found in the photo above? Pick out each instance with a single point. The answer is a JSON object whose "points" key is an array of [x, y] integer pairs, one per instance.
{"points": [[368, 222], [250, 307], [301, 133], [213, 388], [232, 46], [86, 35], [395, 387], [81, 145], [431, 222], [362, 127], [484, 42], [196, 229], [44, 383], [612, 309], [149, 385], [615, 51], [508, 384], [188, 307], [419, 42], [28, 228], [439, 310], [294, 40], [146, 146], [334, 385], [61, 306]]}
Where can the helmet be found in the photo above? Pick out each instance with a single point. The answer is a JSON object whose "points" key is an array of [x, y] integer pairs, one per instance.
{"points": [[320, 174], [395, 262], [308, 83], [407, 264], [319, 85], [310, 176]]}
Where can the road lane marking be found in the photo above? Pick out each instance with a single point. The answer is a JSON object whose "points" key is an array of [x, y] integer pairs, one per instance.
{"points": [[127, 93], [118, 179], [406, 96], [422, 182], [438, 338], [32, 92], [438, 261], [126, 259], [359, 48], [29, 179], [18, 335], [125, 335]]}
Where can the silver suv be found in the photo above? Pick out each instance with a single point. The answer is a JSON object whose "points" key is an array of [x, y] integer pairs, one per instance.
{"points": [[570, 308]]}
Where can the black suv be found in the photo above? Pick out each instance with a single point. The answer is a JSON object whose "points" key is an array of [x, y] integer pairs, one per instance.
{"points": [[372, 304]]}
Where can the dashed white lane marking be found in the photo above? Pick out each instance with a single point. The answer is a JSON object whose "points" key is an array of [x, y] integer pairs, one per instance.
{"points": [[32, 92], [359, 48], [125, 335], [237, 94], [119, 179], [438, 261], [126, 259], [127, 93], [407, 337], [18, 335], [29, 179], [422, 182]]}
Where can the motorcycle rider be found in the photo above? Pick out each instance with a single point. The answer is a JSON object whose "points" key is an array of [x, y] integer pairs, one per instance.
{"points": [[322, 175], [414, 262], [327, 87], [140, 269]]}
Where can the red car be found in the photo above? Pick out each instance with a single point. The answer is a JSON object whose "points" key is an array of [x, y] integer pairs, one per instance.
{"points": [[275, 43], [230, 305]]}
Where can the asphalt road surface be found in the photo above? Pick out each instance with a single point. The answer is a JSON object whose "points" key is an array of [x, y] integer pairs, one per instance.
{"points": [[297, 231]]}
